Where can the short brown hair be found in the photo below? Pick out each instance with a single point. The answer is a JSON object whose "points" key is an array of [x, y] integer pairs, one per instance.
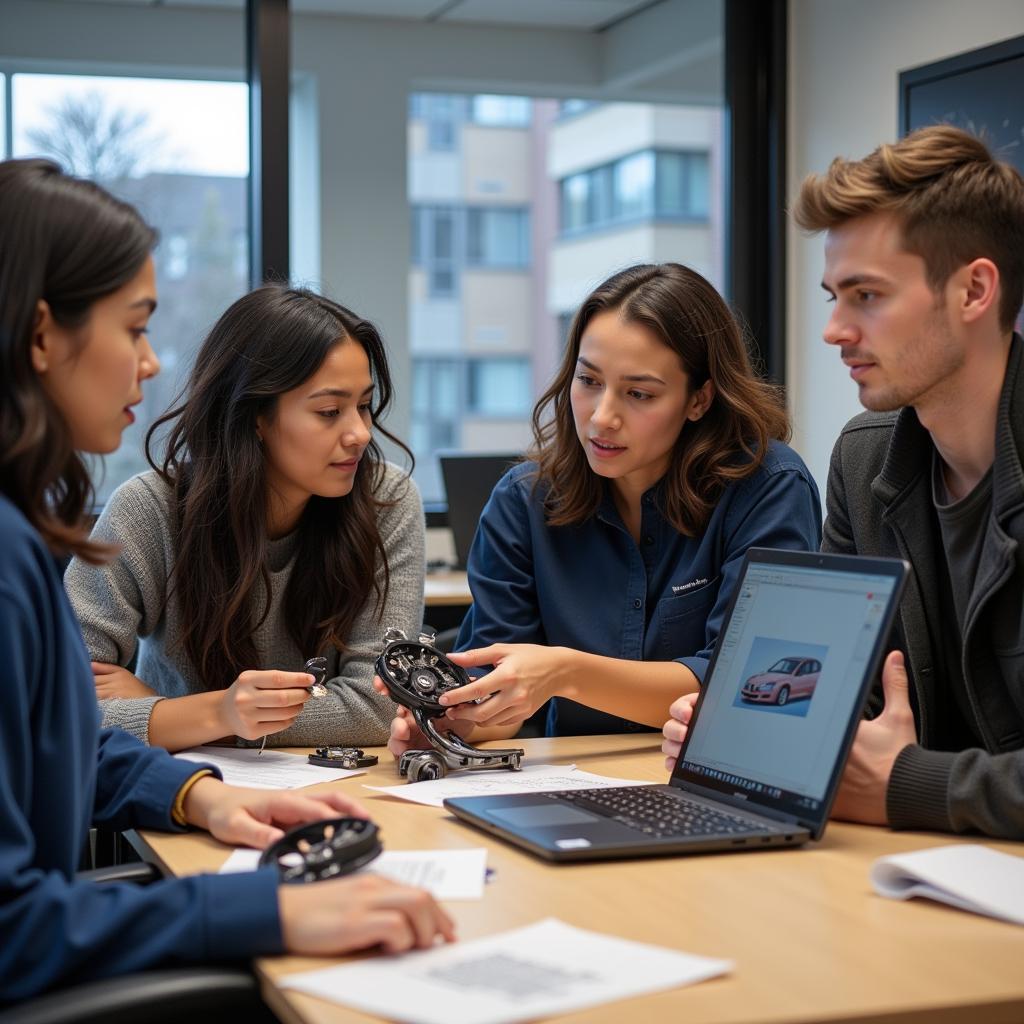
{"points": [[955, 200], [726, 444]]}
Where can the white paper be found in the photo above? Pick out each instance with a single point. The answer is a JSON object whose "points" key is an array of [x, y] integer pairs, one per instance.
{"points": [[535, 778], [240, 860], [447, 874], [538, 971], [242, 766], [969, 876]]}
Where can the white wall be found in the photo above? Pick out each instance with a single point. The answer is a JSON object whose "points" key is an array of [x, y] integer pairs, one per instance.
{"points": [[845, 58]]}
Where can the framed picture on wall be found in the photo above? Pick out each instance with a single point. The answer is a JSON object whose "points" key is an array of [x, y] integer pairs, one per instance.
{"points": [[981, 91]]}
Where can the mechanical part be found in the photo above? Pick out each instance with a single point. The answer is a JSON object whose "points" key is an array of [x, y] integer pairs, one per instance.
{"points": [[416, 674], [317, 668], [323, 849], [349, 758]]}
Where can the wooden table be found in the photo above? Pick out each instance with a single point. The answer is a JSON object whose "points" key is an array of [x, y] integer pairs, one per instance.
{"points": [[810, 940], [446, 588]]}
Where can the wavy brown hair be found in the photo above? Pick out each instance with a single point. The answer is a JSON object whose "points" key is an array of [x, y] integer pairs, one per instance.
{"points": [[955, 202], [725, 445], [69, 243], [268, 342]]}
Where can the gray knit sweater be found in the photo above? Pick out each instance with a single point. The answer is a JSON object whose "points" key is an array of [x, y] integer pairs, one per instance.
{"points": [[124, 604]]}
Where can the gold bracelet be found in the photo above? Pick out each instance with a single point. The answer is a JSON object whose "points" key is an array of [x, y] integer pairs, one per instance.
{"points": [[178, 810]]}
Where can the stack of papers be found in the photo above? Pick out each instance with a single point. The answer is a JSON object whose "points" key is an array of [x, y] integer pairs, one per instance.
{"points": [[242, 766], [535, 778], [446, 874], [969, 876], [538, 971]]}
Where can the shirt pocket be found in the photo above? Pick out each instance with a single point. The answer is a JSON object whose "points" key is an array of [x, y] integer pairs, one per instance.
{"points": [[683, 620]]}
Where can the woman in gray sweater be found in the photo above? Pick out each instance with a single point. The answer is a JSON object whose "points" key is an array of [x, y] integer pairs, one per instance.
{"points": [[272, 531]]}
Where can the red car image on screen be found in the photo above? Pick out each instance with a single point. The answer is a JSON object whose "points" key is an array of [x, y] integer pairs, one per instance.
{"points": [[786, 680]]}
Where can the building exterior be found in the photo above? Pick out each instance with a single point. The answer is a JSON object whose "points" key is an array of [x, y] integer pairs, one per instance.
{"points": [[519, 207]]}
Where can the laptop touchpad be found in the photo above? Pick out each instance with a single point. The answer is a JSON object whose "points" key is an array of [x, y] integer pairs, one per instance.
{"points": [[546, 815]]}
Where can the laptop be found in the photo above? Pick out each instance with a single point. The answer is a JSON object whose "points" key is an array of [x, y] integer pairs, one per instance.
{"points": [[469, 478], [803, 639]]}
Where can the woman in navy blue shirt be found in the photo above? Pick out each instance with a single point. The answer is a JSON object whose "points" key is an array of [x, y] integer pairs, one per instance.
{"points": [[77, 288], [602, 567]]}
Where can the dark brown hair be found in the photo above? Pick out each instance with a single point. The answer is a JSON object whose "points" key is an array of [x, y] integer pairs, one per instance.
{"points": [[954, 200], [266, 343], [727, 444], [67, 242]]}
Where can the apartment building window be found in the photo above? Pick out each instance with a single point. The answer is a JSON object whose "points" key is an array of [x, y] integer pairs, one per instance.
{"points": [[498, 387], [501, 111], [437, 400], [642, 186], [497, 237], [446, 239]]}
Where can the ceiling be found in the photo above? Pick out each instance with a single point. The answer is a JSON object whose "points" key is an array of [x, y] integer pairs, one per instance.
{"points": [[585, 15]]}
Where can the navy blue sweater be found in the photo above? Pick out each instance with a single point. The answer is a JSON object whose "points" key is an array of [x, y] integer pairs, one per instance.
{"points": [[58, 774], [591, 587]]}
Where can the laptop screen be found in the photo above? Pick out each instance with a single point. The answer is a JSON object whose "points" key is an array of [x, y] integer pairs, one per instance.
{"points": [[788, 681]]}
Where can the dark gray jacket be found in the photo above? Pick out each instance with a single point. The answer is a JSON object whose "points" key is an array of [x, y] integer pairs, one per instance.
{"points": [[879, 502]]}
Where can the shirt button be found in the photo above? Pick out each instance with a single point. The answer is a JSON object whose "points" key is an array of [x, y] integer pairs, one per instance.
{"points": [[648, 539], [637, 603]]}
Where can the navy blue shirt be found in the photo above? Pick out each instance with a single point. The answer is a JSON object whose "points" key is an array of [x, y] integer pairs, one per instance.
{"points": [[591, 587], [59, 773]]}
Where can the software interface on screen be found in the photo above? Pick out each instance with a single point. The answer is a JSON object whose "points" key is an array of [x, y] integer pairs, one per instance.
{"points": [[787, 677]]}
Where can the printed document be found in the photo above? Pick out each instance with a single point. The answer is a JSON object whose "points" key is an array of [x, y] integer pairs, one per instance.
{"points": [[243, 766], [446, 874], [535, 778], [541, 970], [969, 876]]}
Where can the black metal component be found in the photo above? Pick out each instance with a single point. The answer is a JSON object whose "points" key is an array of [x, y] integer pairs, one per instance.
{"points": [[323, 849], [416, 674]]}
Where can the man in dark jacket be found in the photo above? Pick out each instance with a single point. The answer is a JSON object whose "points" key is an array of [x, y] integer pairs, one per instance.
{"points": [[925, 264], [924, 260]]}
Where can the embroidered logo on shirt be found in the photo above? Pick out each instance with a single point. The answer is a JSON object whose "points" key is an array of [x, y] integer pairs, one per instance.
{"points": [[687, 586]]}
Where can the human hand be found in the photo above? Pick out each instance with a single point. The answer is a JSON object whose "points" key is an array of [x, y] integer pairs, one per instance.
{"points": [[259, 817], [261, 703], [674, 730], [525, 677], [345, 914], [865, 781], [115, 681], [407, 735]]}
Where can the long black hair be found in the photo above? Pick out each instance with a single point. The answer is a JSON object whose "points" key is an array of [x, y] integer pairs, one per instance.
{"points": [[267, 343], [70, 243]]}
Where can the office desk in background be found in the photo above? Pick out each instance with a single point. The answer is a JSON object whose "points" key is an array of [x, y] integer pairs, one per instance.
{"points": [[447, 589], [810, 939]]}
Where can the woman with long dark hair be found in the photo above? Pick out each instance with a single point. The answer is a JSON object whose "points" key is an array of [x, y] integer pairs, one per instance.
{"points": [[77, 287], [271, 531], [603, 565]]}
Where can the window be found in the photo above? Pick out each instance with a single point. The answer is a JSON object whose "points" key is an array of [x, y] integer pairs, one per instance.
{"points": [[647, 185], [499, 387], [494, 284], [497, 237], [447, 238], [501, 111], [633, 195], [5, 148], [179, 151]]}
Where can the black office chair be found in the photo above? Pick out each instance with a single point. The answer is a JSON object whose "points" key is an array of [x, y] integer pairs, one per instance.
{"points": [[198, 995]]}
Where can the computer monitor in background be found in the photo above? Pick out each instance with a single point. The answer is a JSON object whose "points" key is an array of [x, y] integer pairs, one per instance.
{"points": [[469, 478]]}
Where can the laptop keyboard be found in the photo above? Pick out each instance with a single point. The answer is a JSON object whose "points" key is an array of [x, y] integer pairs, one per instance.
{"points": [[653, 812]]}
